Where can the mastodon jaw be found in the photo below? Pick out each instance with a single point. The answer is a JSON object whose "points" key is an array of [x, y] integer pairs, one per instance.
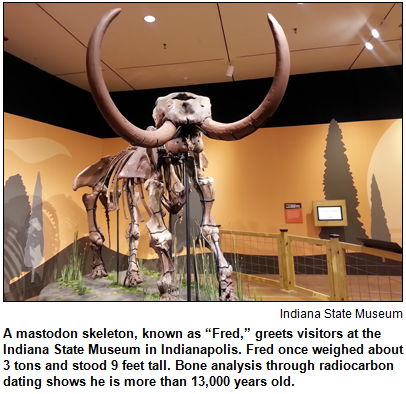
{"points": [[114, 118], [246, 126]]}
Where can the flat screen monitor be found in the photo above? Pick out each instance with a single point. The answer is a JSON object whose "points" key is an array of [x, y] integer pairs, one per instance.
{"points": [[330, 213]]}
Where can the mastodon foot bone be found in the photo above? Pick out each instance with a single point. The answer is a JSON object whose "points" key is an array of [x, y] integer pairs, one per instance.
{"points": [[226, 283], [168, 288], [98, 272], [228, 293], [133, 278]]}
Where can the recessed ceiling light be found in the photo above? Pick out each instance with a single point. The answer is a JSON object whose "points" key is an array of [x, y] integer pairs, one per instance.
{"points": [[375, 33], [369, 46], [149, 18]]}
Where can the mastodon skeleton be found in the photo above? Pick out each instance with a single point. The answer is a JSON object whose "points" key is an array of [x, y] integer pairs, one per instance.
{"points": [[153, 160]]}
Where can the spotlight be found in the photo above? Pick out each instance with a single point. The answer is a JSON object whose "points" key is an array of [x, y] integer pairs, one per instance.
{"points": [[149, 19], [230, 71], [375, 33], [369, 46]]}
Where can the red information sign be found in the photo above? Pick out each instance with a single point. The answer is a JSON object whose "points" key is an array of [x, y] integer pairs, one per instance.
{"points": [[293, 213]]}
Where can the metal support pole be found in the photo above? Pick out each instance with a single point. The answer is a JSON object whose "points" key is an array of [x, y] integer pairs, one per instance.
{"points": [[188, 270], [171, 230], [196, 277], [118, 246]]}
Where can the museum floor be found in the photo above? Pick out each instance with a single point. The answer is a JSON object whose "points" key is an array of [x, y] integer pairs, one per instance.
{"points": [[360, 288], [260, 292]]}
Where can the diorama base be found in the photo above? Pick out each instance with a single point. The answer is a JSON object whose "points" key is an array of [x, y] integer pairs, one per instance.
{"points": [[100, 290]]}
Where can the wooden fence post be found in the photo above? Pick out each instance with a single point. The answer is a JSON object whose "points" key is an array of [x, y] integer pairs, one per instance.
{"points": [[336, 270], [286, 265]]}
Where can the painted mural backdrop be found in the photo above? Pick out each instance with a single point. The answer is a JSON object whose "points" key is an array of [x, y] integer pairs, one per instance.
{"points": [[384, 182], [339, 185], [254, 178], [41, 211]]}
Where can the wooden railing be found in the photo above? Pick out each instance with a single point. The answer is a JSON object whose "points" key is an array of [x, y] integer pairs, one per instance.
{"points": [[335, 252]]}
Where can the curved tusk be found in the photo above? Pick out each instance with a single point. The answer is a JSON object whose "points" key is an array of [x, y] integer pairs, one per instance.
{"points": [[114, 118], [249, 124]]}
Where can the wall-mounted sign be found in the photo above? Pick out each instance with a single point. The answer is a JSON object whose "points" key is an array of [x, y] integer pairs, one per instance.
{"points": [[293, 213]]}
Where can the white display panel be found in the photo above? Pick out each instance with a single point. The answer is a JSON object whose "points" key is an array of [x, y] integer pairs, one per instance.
{"points": [[330, 213]]}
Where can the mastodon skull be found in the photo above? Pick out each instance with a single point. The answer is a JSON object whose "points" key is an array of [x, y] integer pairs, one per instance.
{"points": [[184, 107], [181, 109]]}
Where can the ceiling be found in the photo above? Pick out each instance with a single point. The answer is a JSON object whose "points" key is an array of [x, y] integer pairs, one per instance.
{"points": [[193, 43]]}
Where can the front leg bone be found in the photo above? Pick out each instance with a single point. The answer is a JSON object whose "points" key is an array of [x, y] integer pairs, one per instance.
{"points": [[160, 241], [211, 233]]}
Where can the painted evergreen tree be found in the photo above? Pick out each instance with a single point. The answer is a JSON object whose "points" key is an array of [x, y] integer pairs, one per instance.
{"points": [[339, 185], [17, 211], [379, 226], [34, 248]]}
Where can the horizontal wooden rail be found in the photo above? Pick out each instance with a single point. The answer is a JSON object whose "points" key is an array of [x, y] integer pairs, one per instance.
{"points": [[249, 234], [315, 241], [311, 293], [371, 251]]}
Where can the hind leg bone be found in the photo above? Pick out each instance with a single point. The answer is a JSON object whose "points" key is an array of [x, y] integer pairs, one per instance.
{"points": [[95, 234], [210, 232]]}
